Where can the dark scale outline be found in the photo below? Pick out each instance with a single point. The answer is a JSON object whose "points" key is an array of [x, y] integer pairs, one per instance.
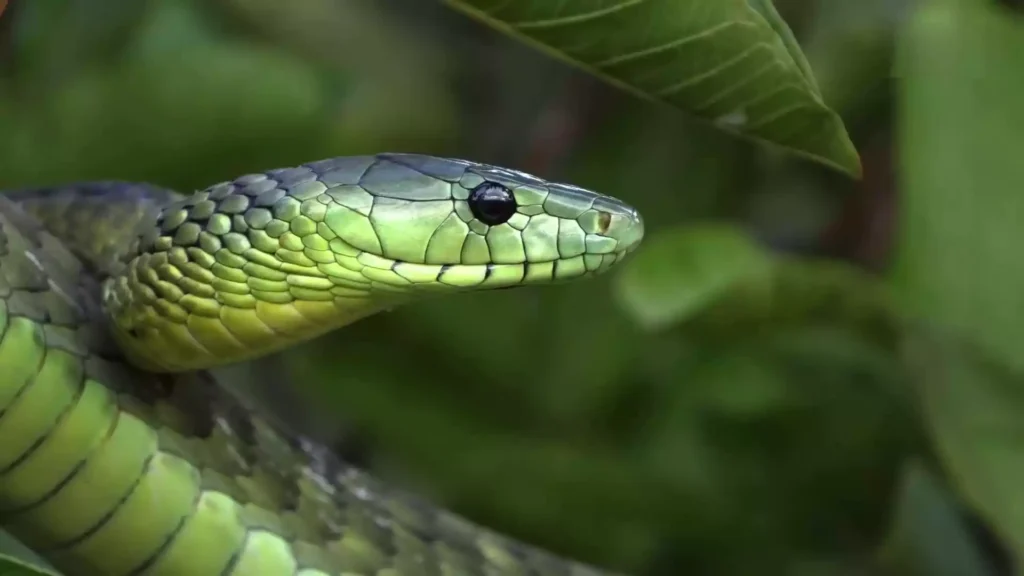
{"points": [[107, 516], [236, 557], [41, 340], [55, 490], [434, 234], [172, 537], [75, 470], [79, 389]]}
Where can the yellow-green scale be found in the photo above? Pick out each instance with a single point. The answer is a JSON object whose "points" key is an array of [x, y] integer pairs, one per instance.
{"points": [[93, 481]]}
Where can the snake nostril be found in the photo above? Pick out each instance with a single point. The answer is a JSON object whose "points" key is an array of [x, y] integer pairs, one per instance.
{"points": [[604, 221]]}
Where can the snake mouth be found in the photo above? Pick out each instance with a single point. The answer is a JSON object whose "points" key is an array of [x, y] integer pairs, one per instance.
{"points": [[512, 275], [371, 274]]}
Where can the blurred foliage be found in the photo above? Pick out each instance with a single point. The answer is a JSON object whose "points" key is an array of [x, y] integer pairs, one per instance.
{"points": [[746, 396], [928, 535], [958, 268]]}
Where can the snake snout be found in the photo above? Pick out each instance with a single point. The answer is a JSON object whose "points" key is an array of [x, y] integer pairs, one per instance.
{"points": [[633, 231], [618, 228]]}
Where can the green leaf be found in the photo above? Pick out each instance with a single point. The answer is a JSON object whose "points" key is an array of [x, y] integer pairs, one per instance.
{"points": [[716, 275], [731, 62], [14, 567], [17, 560], [959, 261], [973, 407], [766, 8], [683, 270], [928, 536]]}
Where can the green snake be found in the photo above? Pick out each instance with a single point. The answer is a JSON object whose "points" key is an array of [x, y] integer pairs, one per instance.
{"points": [[120, 455]]}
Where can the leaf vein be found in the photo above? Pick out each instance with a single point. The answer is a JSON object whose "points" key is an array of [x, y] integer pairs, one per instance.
{"points": [[715, 98], [774, 117], [665, 47], [575, 18], [698, 78]]}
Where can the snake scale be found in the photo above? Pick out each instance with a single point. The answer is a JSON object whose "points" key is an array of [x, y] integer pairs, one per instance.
{"points": [[120, 455]]}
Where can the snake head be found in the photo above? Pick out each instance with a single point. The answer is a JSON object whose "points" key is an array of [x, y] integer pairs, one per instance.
{"points": [[411, 222], [255, 264]]}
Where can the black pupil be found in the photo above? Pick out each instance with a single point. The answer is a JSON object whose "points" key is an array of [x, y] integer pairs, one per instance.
{"points": [[492, 203]]}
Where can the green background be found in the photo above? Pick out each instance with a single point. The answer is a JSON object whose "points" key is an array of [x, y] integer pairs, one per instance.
{"points": [[747, 396]]}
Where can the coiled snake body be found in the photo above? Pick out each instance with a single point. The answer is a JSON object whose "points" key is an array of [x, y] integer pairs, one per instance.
{"points": [[120, 456]]}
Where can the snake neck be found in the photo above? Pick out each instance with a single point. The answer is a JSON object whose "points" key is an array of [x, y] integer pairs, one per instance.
{"points": [[179, 309]]}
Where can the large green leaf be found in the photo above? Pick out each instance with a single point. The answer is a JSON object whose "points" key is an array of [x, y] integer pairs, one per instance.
{"points": [[732, 62], [959, 263]]}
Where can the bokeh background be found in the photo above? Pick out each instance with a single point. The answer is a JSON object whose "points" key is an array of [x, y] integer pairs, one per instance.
{"points": [[641, 421]]}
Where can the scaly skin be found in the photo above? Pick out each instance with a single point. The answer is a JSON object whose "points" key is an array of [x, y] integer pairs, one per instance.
{"points": [[119, 456]]}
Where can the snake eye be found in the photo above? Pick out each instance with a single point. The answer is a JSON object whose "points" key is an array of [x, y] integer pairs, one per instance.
{"points": [[492, 203]]}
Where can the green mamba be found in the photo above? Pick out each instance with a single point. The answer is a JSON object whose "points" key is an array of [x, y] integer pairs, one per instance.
{"points": [[120, 455]]}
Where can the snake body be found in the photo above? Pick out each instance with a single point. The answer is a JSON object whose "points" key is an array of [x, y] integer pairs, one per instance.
{"points": [[120, 455]]}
